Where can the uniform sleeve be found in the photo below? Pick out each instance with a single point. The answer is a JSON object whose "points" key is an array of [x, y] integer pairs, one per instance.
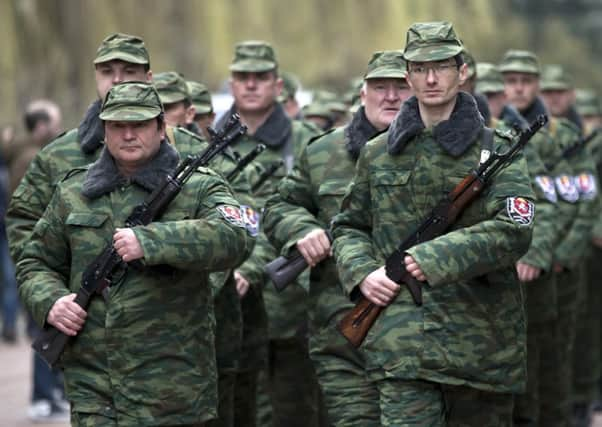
{"points": [[44, 268], [217, 239], [353, 249], [253, 268], [291, 213], [28, 203], [488, 245]]}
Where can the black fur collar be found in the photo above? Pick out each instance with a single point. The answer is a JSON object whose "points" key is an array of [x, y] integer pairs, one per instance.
{"points": [[534, 110], [274, 132], [512, 117], [483, 107], [91, 131], [358, 132], [455, 135], [103, 176]]}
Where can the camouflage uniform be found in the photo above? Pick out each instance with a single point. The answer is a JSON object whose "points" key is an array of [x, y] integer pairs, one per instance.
{"points": [[307, 199], [283, 332], [427, 362], [146, 356]]}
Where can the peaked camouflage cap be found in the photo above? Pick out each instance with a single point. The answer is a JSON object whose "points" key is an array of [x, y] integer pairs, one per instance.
{"points": [[489, 78], [200, 96], [386, 64], [125, 47], [131, 102], [254, 56], [290, 86], [555, 77], [431, 41], [519, 61], [588, 103], [171, 87], [471, 64]]}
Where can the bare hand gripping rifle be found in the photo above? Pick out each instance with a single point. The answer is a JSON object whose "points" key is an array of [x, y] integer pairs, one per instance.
{"points": [[108, 267], [356, 324]]}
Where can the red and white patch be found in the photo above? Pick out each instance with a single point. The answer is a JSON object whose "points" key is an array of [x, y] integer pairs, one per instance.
{"points": [[565, 186], [232, 214], [250, 218], [520, 210], [547, 186], [586, 185]]}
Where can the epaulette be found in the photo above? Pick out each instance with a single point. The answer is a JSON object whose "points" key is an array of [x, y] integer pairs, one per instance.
{"points": [[74, 172], [315, 138]]}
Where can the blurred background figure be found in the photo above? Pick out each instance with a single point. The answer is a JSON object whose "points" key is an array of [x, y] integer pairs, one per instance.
{"points": [[288, 95], [203, 108]]}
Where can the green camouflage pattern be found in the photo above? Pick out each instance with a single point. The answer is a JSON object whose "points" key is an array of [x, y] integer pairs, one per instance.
{"points": [[471, 64], [200, 96], [171, 87], [519, 61], [431, 41], [461, 318], [387, 64], [253, 56], [330, 100], [133, 359], [555, 77], [489, 78], [124, 47], [131, 102], [587, 103], [290, 85]]}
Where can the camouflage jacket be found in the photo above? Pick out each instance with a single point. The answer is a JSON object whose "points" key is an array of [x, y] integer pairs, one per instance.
{"points": [[472, 304], [308, 198], [594, 148], [146, 357], [286, 311]]}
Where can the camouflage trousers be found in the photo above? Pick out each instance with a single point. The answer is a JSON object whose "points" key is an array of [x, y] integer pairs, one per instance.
{"points": [[588, 350], [225, 406], [348, 395], [80, 419], [427, 404]]}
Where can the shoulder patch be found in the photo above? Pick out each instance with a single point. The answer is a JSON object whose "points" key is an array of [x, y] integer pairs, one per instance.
{"points": [[74, 172], [586, 185], [232, 214], [546, 184], [565, 186], [520, 210], [251, 219]]}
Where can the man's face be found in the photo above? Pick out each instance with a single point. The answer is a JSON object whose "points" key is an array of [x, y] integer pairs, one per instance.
{"points": [[496, 102], [436, 83], [179, 114], [203, 121], [558, 101], [133, 144], [521, 89], [110, 73], [382, 99], [255, 92], [291, 107]]}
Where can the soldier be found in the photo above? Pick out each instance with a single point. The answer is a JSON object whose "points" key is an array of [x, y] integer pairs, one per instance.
{"points": [[470, 85], [175, 97], [426, 363], [201, 101], [115, 374], [491, 85], [290, 86], [255, 86], [298, 217]]}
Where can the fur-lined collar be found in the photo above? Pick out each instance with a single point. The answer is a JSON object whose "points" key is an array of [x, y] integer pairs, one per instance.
{"points": [[534, 110], [483, 107], [103, 176], [274, 132], [455, 135], [358, 132], [512, 117], [91, 131]]}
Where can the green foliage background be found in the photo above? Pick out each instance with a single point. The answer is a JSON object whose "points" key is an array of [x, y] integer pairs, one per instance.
{"points": [[47, 46]]}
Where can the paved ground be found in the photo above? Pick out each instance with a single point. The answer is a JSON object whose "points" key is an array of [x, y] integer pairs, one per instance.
{"points": [[15, 366]]}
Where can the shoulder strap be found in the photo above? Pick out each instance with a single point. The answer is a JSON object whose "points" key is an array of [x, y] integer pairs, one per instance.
{"points": [[171, 137], [486, 144]]}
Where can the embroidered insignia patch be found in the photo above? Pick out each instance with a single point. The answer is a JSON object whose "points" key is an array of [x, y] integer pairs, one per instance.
{"points": [[565, 187], [586, 185], [520, 210], [250, 218], [232, 214], [547, 186]]}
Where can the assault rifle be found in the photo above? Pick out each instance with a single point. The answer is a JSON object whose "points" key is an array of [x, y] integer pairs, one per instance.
{"points": [[356, 324], [266, 174], [108, 267], [243, 162]]}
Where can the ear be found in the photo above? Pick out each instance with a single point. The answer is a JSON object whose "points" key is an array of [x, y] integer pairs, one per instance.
{"points": [[463, 73], [363, 94], [190, 112], [149, 76], [279, 86], [162, 131]]}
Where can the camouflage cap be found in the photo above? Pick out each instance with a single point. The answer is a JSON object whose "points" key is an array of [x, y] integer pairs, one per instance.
{"points": [[489, 78], [254, 56], [131, 102], [200, 96], [519, 61], [330, 100], [290, 86], [171, 87], [470, 63], [588, 103], [555, 77], [431, 41], [387, 64], [124, 47], [317, 109]]}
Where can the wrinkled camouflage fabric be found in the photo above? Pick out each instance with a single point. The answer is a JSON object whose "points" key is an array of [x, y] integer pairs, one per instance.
{"points": [[472, 302], [146, 357]]}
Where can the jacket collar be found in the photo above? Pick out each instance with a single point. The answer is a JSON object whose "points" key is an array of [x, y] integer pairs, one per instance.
{"points": [[358, 132], [454, 135], [103, 176], [535, 109], [274, 132], [91, 131]]}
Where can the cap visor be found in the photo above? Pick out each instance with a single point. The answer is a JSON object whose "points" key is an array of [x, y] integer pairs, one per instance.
{"points": [[252, 66], [386, 74], [202, 108], [130, 114], [133, 59], [432, 53]]}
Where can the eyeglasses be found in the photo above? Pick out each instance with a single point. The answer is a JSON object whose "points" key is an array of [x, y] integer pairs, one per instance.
{"points": [[438, 68]]}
